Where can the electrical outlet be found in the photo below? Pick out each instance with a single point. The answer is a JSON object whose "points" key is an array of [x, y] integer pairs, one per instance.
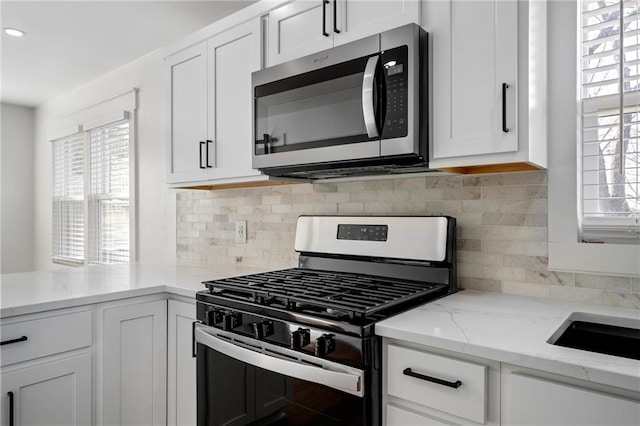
{"points": [[241, 232]]}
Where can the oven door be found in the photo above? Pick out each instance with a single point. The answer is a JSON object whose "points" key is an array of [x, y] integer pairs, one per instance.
{"points": [[243, 381]]}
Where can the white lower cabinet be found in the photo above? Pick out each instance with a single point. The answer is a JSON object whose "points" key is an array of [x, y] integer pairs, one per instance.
{"points": [[424, 386], [530, 400], [46, 370], [132, 362], [428, 386], [181, 365], [51, 392]]}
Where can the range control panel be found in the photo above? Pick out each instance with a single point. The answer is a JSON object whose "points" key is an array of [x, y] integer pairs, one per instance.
{"points": [[363, 232], [310, 340]]}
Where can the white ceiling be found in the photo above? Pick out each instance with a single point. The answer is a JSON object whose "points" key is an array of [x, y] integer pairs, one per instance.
{"points": [[69, 43]]}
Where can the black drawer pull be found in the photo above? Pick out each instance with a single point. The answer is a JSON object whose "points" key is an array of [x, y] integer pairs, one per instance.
{"points": [[19, 339], [193, 339], [455, 385], [335, 17], [505, 86], [324, 18], [201, 145], [10, 395]]}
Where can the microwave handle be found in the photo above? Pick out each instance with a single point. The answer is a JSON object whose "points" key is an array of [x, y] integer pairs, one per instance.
{"points": [[368, 108]]}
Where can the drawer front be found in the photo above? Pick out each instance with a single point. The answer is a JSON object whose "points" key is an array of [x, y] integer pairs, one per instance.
{"points": [[45, 336], [409, 371], [397, 416]]}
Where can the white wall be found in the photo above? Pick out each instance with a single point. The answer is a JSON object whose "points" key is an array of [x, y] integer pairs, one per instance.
{"points": [[16, 193], [156, 219]]}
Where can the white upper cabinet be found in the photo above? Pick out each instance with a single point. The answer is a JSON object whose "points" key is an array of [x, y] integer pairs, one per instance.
{"points": [[357, 18], [209, 139], [233, 56], [303, 27], [483, 70], [188, 114]]}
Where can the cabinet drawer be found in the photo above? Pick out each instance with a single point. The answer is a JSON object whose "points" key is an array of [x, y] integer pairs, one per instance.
{"points": [[469, 400], [45, 335], [397, 416]]}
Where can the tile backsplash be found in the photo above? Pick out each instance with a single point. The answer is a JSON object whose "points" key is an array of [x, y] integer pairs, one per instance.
{"points": [[502, 229]]}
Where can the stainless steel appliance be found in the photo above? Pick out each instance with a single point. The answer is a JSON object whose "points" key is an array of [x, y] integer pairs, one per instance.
{"points": [[359, 108], [297, 346]]}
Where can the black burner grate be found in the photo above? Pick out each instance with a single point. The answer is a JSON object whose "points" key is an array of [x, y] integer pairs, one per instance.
{"points": [[357, 295]]}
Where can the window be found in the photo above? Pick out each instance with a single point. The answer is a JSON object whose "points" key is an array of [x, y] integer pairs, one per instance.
{"points": [[68, 199], [610, 48], [91, 214]]}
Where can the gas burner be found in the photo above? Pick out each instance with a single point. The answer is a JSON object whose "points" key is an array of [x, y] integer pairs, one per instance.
{"points": [[354, 295]]}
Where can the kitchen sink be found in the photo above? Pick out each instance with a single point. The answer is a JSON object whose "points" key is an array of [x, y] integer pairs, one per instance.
{"points": [[598, 333]]}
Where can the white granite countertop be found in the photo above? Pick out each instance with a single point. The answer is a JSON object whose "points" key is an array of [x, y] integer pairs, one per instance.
{"points": [[30, 292], [513, 330]]}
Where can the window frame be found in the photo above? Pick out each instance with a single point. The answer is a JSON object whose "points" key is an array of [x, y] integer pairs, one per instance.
{"points": [[596, 226], [58, 257], [85, 130], [566, 251]]}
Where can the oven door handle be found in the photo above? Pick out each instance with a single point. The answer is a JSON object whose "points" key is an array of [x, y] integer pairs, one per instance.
{"points": [[368, 107], [346, 382]]}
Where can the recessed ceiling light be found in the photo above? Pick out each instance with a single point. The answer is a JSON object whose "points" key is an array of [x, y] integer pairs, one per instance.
{"points": [[14, 32]]}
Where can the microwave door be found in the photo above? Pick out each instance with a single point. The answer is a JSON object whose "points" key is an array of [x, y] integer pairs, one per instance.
{"points": [[318, 116]]}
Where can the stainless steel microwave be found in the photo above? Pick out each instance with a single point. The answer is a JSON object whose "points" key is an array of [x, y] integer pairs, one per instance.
{"points": [[358, 108]]}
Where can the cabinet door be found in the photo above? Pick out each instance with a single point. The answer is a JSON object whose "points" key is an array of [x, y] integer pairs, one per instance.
{"points": [[233, 56], [132, 363], [397, 416], [474, 54], [181, 365], [540, 402], [188, 115], [356, 19], [51, 393], [296, 29]]}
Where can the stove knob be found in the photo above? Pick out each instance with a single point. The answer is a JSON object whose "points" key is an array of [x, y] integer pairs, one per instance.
{"points": [[299, 338], [325, 344], [231, 321], [214, 317], [262, 329]]}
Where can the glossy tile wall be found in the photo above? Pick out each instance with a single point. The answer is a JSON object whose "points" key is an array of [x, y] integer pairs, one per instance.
{"points": [[502, 229]]}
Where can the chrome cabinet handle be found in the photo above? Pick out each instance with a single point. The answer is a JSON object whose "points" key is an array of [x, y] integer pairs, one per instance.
{"points": [[368, 110], [19, 339], [324, 18], [455, 385], [505, 86]]}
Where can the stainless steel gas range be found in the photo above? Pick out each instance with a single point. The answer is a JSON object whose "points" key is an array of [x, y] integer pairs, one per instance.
{"points": [[298, 346]]}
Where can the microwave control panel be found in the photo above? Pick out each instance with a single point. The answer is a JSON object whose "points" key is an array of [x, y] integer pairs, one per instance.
{"points": [[395, 68]]}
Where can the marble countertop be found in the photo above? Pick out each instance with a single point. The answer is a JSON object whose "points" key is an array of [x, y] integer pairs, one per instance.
{"points": [[514, 330], [499, 327], [38, 291]]}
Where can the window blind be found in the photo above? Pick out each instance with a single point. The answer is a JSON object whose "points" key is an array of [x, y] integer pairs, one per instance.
{"points": [[108, 193], [610, 178], [68, 199]]}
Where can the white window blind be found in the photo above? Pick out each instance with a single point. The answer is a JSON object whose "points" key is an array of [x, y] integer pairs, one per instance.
{"points": [[108, 196], [68, 199], [91, 210], [610, 80]]}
